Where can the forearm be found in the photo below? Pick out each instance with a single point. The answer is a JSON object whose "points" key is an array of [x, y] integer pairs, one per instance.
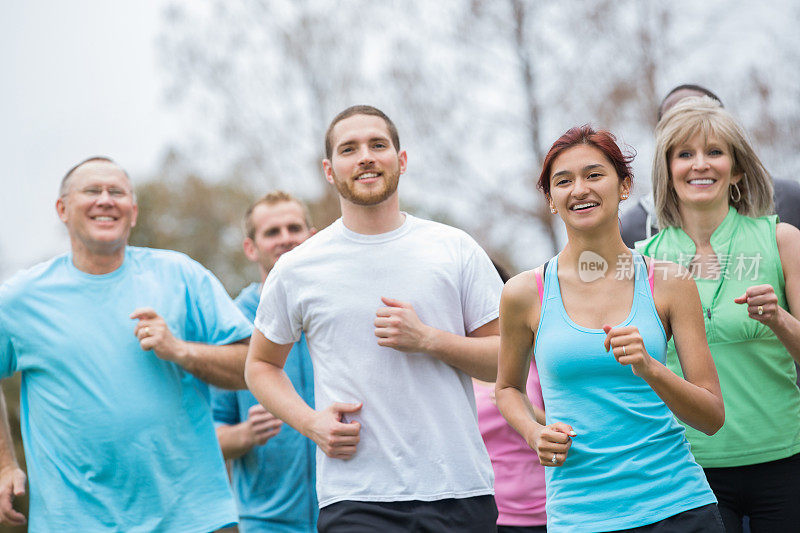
{"points": [[8, 458], [234, 440], [787, 329], [273, 389], [477, 356], [222, 366], [518, 411], [698, 405]]}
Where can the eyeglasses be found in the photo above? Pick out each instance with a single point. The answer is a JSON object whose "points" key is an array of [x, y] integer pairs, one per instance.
{"points": [[95, 191]]}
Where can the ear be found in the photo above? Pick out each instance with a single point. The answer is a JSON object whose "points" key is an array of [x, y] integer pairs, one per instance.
{"points": [[736, 178], [61, 210], [402, 157], [327, 169], [135, 215], [625, 187], [551, 204], [250, 250]]}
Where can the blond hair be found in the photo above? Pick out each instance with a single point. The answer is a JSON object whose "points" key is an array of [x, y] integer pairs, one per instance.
{"points": [[705, 115]]}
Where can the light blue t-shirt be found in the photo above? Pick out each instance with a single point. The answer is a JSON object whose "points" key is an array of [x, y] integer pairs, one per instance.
{"points": [[629, 464], [115, 438], [274, 484]]}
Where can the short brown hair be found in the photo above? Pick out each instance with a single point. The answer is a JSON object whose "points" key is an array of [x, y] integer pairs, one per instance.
{"points": [[272, 198], [360, 110]]}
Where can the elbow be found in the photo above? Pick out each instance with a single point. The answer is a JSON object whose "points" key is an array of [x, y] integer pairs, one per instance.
{"points": [[249, 371], [717, 420]]}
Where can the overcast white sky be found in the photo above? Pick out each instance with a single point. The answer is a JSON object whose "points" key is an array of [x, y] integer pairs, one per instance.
{"points": [[79, 78]]}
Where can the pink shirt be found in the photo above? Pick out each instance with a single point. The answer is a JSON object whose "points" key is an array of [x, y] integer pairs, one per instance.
{"points": [[518, 476]]}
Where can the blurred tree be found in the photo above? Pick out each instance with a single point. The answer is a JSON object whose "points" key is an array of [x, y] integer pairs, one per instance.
{"points": [[478, 89], [179, 210]]}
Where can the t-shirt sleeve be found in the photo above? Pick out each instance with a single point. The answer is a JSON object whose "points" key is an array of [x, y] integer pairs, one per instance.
{"points": [[8, 356], [211, 316], [224, 407], [275, 317], [480, 287]]}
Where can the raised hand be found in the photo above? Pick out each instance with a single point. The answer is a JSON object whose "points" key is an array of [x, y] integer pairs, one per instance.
{"points": [[628, 348]]}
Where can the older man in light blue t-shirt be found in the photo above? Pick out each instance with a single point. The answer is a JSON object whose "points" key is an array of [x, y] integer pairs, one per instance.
{"points": [[115, 345]]}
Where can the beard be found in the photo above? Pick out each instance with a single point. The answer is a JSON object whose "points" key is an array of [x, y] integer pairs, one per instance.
{"points": [[371, 195]]}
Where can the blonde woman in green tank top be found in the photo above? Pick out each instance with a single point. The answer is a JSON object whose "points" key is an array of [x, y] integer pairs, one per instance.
{"points": [[714, 203]]}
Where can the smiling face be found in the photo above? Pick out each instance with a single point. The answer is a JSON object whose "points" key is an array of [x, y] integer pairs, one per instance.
{"points": [[365, 166], [98, 208], [278, 228], [701, 172], [585, 188]]}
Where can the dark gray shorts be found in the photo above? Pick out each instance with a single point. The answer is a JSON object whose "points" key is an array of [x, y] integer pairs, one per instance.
{"points": [[705, 519], [462, 515]]}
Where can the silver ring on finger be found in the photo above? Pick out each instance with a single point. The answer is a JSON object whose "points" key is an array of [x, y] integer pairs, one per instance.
{"points": [[623, 350], [147, 331], [554, 460]]}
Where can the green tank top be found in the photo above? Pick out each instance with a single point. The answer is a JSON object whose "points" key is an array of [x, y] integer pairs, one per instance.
{"points": [[756, 373]]}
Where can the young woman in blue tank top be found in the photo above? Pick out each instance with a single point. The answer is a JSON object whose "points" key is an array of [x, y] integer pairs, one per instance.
{"points": [[617, 458]]}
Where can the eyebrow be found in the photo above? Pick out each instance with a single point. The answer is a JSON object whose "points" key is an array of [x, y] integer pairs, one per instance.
{"points": [[584, 169], [370, 140]]}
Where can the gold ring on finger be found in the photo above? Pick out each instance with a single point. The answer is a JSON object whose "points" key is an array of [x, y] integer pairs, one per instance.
{"points": [[760, 310], [146, 331]]}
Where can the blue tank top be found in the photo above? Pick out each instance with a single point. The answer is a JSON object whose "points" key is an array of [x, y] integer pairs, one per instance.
{"points": [[629, 464]]}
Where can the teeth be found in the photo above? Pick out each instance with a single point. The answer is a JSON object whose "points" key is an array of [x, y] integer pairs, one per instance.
{"points": [[104, 219], [367, 175], [701, 182], [583, 206]]}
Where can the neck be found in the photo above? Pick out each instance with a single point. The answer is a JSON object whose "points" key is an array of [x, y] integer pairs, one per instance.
{"points": [[699, 224], [604, 241], [97, 262], [372, 219]]}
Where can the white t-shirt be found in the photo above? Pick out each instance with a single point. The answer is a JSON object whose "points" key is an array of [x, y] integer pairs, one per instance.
{"points": [[419, 431]]}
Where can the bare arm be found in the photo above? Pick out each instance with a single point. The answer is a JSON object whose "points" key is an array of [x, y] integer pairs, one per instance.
{"points": [[519, 315], [783, 323], [12, 478], [235, 440], [697, 399], [222, 366], [271, 386], [398, 326]]}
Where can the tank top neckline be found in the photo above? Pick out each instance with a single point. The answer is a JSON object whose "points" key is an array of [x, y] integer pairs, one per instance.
{"points": [[556, 287]]}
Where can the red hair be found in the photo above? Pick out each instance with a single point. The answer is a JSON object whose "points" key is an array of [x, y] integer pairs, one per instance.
{"points": [[603, 140]]}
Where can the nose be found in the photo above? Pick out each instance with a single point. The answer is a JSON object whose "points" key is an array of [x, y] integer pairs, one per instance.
{"points": [[365, 157], [286, 237], [700, 162], [105, 198], [579, 187]]}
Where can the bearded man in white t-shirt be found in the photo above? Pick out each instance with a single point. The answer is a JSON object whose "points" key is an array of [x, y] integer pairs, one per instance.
{"points": [[398, 313]]}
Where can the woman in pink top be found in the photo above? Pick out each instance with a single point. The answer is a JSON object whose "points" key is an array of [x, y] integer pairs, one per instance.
{"points": [[518, 475]]}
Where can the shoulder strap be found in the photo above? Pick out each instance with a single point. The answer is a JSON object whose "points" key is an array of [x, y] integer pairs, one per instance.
{"points": [[650, 273], [540, 280]]}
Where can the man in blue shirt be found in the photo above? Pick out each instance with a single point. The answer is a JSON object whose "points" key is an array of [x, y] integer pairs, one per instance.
{"points": [[272, 465], [115, 345]]}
